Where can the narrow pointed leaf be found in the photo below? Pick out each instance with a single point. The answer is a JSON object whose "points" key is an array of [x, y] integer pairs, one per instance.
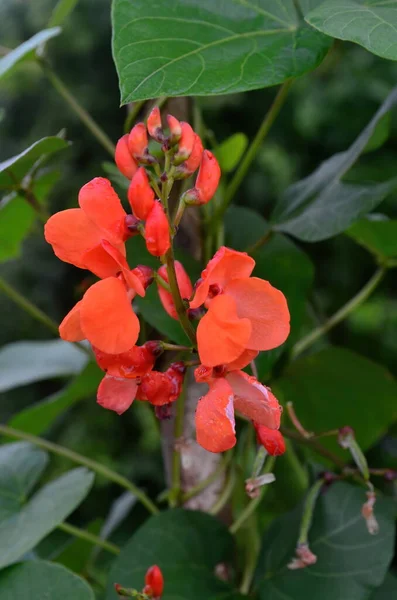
{"points": [[26, 50]]}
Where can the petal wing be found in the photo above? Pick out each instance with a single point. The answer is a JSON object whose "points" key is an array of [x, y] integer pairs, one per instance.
{"points": [[102, 206], [254, 400], [215, 427], [70, 328], [116, 393]]}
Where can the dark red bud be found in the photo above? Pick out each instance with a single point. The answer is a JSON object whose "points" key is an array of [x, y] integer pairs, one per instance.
{"points": [[155, 347], [220, 371], [132, 225], [179, 367], [214, 290], [163, 412]]}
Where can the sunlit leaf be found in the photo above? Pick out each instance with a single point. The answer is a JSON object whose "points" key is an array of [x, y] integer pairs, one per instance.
{"points": [[378, 236], [26, 51]]}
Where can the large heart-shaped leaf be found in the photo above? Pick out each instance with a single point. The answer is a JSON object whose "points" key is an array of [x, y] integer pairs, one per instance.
{"points": [[26, 362], [336, 387], [351, 563], [26, 50], [370, 23], [378, 236], [31, 521], [40, 580], [187, 546], [321, 205], [39, 417], [202, 47], [14, 169]]}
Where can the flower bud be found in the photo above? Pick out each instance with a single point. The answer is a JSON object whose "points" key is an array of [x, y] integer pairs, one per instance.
{"points": [[154, 125], [123, 159], [154, 579], [157, 232], [193, 162], [131, 226], [140, 194], [184, 284], [162, 388], [137, 140], [175, 130], [163, 412], [186, 144], [270, 439], [208, 177], [144, 274]]}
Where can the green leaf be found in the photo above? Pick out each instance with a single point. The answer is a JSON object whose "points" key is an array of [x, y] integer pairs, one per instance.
{"points": [[321, 205], [370, 23], [203, 47], [21, 466], [350, 564], [187, 546], [38, 418], [26, 51], [40, 580], [31, 522], [26, 362], [14, 169], [380, 135], [388, 589], [230, 152], [61, 11], [77, 554], [379, 237], [336, 387]]}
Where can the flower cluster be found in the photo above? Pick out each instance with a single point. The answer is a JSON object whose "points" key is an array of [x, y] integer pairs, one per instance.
{"points": [[239, 315], [153, 588]]}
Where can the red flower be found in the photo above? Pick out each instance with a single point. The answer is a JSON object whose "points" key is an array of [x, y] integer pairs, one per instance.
{"points": [[162, 388], [184, 284], [244, 313], [126, 164], [157, 231], [271, 439], [141, 195], [194, 160], [154, 583], [186, 143], [137, 140]]}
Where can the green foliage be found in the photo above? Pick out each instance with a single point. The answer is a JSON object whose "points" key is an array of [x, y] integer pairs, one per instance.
{"points": [[61, 11], [378, 236], [387, 590], [36, 580], [25, 522], [26, 51], [336, 387], [230, 152], [350, 563], [187, 546], [208, 47], [25, 362], [370, 23]]}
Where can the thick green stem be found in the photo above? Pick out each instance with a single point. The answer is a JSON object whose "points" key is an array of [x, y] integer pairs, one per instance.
{"points": [[253, 149], [83, 115], [89, 537], [82, 460], [177, 298], [341, 314]]}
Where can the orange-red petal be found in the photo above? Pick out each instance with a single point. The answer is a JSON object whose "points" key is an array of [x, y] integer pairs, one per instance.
{"points": [[70, 328], [123, 159], [215, 427], [134, 363], [100, 262], [254, 400], [157, 233], [137, 140], [271, 439], [194, 160], [141, 195], [208, 177], [266, 308], [221, 335], [71, 234], [184, 284], [132, 280], [224, 266], [102, 206], [116, 393], [243, 360], [107, 318]]}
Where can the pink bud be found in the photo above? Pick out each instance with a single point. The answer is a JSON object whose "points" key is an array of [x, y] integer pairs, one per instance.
{"points": [[137, 140], [140, 194], [154, 125], [175, 129], [123, 159], [186, 143], [157, 233], [208, 177]]}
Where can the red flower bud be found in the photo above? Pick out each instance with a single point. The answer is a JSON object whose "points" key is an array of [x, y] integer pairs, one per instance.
{"points": [[154, 579], [208, 177], [123, 159], [162, 388], [194, 160], [137, 140], [154, 125], [140, 194], [270, 439], [186, 144], [175, 129], [131, 225], [131, 364], [184, 284], [144, 274], [157, 232]]}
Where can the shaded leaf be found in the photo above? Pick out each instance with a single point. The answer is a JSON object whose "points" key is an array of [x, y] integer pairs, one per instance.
{"points": [[230, 152], [14, 169], [387, 590], [25, 362], [26, 51], [39, 580], [378, 236], [77, 553], [336, 387], [350, 564], [370, 23], [61, 11], [187, 546], [321, 205], [202, 47], [22, 530], [37, 418]]}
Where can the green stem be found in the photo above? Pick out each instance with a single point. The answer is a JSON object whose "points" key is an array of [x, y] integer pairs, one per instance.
{"points": [[89, 537], [83, 115], [341, 314], [227, 492], [313, 443], [251, 506], [177, 347], [177, 298], [28, 306], [245, 164], [82, 460], [308, 511], [259, 243], [34, 203], [175, 495]]}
